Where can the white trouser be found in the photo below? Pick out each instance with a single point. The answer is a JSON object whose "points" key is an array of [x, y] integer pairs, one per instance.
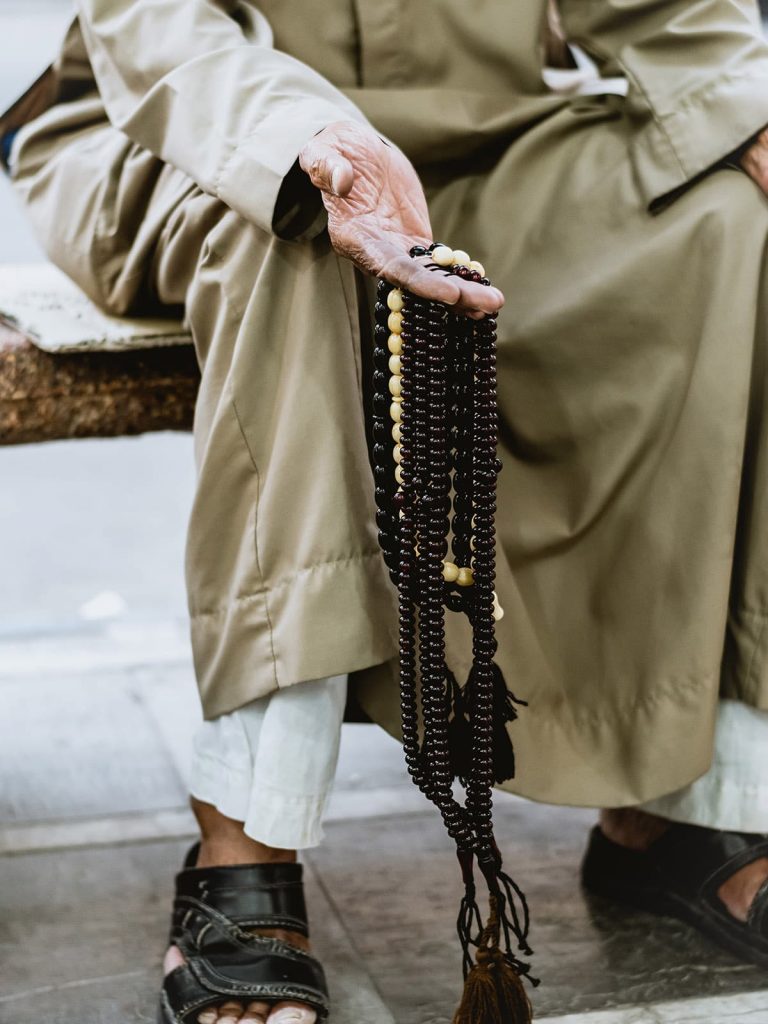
{"points": [[271, 765], [733, 795]]}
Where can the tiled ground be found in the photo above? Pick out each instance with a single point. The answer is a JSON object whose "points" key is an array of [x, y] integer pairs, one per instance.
{"points": [[93, 825]]}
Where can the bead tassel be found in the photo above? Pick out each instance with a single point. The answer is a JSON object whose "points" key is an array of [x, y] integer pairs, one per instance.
{"points": [[435, 427]]}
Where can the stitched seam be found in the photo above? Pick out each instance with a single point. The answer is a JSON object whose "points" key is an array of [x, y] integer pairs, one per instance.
{"points": [[284, 582], [270, 629], [755, 649]]}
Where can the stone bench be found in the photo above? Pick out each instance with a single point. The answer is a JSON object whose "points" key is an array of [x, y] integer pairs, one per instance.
{"points": [[68, 371]]}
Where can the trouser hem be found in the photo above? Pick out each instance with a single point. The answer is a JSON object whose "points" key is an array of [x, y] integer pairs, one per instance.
{"points": [[331, 619]]}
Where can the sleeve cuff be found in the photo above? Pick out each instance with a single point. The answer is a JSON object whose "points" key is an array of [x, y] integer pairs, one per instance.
{"points": [[677, 148], [261, 178]]}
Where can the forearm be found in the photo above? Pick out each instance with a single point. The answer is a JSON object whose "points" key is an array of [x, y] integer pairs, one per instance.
{"points": [[185, 81]]}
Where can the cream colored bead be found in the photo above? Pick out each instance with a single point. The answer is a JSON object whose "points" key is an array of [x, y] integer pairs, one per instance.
{"points": [[442, 256], [466, 577], [397, 398], [397, 454], [395, 344], [395, 412], [395, 365], [460, 258], [450, 572], [395, 300], [397, 433], [395, 386], [399, 474], [498, 611], [395, 322], [476, 265]]}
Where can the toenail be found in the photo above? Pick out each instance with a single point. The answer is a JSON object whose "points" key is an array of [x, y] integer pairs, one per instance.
{"points": [[207, 1017]]}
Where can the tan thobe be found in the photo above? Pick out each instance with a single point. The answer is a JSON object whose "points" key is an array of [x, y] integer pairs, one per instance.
{"points": [[633, 552]]}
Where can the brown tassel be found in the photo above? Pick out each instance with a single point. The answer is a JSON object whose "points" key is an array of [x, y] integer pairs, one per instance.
{"points": [[494, 992]]}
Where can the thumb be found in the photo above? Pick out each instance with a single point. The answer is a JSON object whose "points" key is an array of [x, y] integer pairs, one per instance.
{"points": [[328, 170]]}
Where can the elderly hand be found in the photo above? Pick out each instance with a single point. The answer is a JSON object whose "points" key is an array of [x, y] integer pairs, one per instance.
{"points": [[755, 161], [377, 210]]}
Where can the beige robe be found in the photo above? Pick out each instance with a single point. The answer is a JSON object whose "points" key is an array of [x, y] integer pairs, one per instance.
{"points": [[633, 556]]}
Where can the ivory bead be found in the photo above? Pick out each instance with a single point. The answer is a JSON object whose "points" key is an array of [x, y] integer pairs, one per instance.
{"points": [[397, 433], [450, 572], [395, 322], [395, 365], [395, 344], [395, 385], [465, 577], [397, 454], [476, 265], [397, 398], [460, 258], [442, 256], [395, 300], [396, 412], [398, 474]]}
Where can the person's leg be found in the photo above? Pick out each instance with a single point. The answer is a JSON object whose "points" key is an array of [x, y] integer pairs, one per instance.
{"points": [[285, 578], [732, 796], [261, 778]]}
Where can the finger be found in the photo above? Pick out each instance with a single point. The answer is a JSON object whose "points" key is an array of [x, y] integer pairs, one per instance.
{"points": [[328, 170], [465, 296]]}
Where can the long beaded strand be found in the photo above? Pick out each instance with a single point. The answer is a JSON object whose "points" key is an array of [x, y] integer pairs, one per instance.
{"points": [[435, 468]]}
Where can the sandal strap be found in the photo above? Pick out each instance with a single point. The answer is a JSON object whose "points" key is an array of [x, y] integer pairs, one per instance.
{"points": [[757, 918], [697, 861], [248, 896], [269, 971], [213, 914]]}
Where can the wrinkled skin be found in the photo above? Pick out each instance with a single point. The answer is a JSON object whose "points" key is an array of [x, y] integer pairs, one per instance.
{"points": [[377, 210]]}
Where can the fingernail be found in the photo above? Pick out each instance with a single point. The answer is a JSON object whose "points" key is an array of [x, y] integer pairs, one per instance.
{"points": [[335, 184]]}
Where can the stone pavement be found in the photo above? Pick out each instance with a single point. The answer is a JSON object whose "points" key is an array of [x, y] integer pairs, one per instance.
{"points": [[93, 748]]}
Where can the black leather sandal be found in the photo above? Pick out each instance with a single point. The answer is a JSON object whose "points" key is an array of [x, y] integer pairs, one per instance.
{"points": [[679, 876], [212, 911]]}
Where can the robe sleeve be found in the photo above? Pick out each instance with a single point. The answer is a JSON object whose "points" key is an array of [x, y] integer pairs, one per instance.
{"points": [[698, 79], [209, 94]]}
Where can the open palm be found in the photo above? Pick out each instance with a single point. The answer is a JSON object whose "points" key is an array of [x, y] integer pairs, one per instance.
{"points": [[377, 210]]}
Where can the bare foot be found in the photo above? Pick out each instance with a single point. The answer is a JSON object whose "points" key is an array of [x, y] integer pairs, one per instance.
{"points": [[637, 830], [225, 844]]}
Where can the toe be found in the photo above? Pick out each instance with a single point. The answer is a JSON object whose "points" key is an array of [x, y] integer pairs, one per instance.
{"points": [[255, 1013], [292, 1013], [173, 959], [207, 1017]]}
